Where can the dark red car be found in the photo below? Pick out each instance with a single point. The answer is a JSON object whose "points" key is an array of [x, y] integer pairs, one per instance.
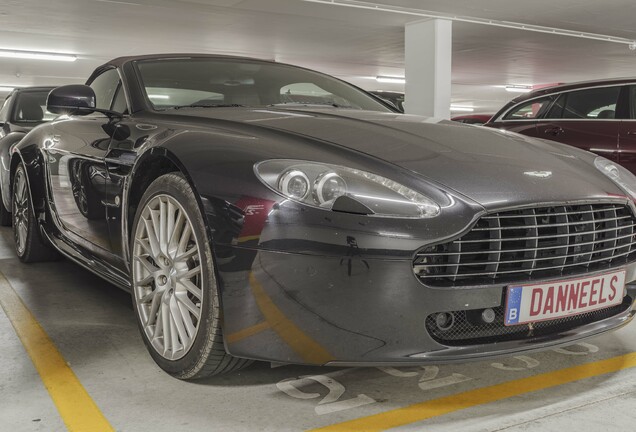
{"points": [[598, 116]]}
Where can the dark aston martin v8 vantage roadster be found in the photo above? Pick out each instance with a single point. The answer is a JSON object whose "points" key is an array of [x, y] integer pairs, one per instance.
{"points": [[257, 210]]}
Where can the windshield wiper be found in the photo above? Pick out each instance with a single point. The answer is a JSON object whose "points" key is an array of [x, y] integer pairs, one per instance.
{"points": [[207, 106], [309, 104]]}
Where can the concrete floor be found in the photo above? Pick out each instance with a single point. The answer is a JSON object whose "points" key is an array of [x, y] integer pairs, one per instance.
{"points": [[93, 326]]}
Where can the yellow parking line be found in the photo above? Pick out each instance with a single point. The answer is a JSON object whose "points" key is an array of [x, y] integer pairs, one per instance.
{"points": [[247, 332], [437, 407], [307, 348], [77, 409]]}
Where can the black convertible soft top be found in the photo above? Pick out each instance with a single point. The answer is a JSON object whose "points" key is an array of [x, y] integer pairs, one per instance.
{"points": [[120, 61]]}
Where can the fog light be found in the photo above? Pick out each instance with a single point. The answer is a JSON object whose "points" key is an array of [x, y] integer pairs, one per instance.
{"points": [[444, 320], [488, 315]]}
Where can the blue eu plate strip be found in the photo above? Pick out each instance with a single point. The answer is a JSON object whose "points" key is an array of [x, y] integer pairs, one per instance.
{"points": [[514, 305]]}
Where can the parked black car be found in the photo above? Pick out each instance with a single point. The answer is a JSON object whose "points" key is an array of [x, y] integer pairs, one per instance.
{"points": [[22, 110], [257, 210], [396, 99]]}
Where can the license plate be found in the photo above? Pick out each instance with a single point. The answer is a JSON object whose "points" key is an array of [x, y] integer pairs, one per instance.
{"points": [[558, 299]]}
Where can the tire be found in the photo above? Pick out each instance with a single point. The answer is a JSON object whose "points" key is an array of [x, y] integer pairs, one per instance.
{"points": [[5, 214], [174, 272], [29, 246]]}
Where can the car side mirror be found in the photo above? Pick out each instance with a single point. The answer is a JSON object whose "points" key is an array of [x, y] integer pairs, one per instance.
{"points": [[71, 99]]}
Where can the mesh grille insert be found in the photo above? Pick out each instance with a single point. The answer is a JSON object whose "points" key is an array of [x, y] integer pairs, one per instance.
{"points": [[468, 330]]}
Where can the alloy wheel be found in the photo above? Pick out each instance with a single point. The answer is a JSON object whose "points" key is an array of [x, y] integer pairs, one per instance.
{"points": [[167, 277], [20, 211]]}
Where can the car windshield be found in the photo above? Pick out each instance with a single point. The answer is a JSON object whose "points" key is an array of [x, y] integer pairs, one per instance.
{"points": [[30, 107], [205, 82]]}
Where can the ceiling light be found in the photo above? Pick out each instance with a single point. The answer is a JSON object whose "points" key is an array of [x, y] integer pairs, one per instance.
{"points": [[33, 55], [390, 79], [154, 96], [518, 88], [461, 108]]}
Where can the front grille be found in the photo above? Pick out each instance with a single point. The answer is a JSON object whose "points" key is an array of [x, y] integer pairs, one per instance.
{"points": [[467, 329], [532, 243]]}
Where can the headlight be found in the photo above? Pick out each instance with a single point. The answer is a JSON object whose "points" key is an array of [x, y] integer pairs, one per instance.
{"points": [[619, 175], [319, 185], [328, 186], [294, 184]]}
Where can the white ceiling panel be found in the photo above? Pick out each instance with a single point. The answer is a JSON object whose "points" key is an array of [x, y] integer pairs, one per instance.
{"points": [[354, 44]]}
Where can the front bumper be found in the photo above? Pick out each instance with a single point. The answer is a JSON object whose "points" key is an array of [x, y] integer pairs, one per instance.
{"points": [[359, 310]]}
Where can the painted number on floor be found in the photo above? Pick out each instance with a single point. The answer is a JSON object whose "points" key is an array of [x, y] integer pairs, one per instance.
{"points": [[331, 402]]}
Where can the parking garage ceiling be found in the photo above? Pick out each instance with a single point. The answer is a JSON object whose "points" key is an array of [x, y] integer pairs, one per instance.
{"points": [[355, 44]]}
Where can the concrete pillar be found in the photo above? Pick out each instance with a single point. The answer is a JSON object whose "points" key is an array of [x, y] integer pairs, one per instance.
{"points": [[427, 54]]}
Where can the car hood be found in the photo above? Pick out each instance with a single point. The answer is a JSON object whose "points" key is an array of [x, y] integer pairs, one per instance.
{"points": [[494, 168]]}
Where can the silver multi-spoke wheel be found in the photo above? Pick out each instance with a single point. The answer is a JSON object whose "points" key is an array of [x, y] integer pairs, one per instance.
{"points": [[167, 277], [175, 289], [20, 211]]}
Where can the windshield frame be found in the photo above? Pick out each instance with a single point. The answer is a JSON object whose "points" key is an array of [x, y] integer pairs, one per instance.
{"points": [[382, 105]]}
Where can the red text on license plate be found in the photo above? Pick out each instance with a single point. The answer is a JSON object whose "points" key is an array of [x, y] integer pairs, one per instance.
{"points": [[558, 299]]}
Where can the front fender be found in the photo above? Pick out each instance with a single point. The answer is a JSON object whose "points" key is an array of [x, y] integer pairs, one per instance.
{"points": [[219, 166], [6, 143], [28, 151]]}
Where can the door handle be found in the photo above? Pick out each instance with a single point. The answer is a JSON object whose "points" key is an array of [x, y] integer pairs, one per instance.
{"points": [[558, 130], [631, 132]]}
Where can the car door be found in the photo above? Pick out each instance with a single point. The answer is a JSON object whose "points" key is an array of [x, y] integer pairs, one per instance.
{"points": [[127, 137], [627, 132], [585, 119], [76, 170]]}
